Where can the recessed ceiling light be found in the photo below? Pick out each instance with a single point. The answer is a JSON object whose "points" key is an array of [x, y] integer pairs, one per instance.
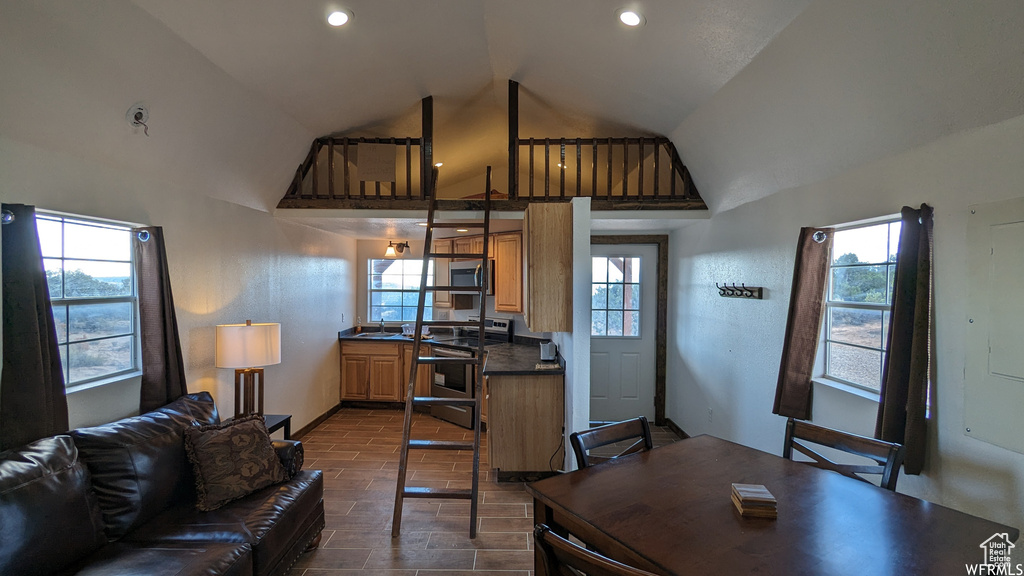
{"points": [[424, 224], [439, 164], [338, 18], [462, 229], [631, 18]]}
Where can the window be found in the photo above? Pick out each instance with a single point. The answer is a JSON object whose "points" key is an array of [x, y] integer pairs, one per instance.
{"points": [[863, 265], [91, 278], [395, 290], [615, 296]]}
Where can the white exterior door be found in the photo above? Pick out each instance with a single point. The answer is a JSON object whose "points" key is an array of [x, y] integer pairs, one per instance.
{"points": [[622, 342]]}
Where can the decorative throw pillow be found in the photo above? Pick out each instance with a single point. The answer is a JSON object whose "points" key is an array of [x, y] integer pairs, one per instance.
{"points": [[232, 460]]}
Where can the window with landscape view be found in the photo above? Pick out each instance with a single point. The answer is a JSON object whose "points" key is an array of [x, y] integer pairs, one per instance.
{"points": [[861, 273], [395, 290], [91, 279]]}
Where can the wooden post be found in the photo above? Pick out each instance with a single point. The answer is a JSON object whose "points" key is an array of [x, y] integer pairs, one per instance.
{"points": [[513, 140], [427, 148]]}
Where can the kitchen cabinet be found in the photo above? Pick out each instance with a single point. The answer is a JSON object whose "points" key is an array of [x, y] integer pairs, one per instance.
{"points": [[476, 245], [463, 245], [442, 246], [525, 416], [371, 371], [547, 246], [424, 376], [508, 272]]}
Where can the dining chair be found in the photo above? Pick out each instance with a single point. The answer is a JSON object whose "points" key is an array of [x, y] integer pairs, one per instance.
{"points": [[889, 455], [587, 440], [563, 558]]}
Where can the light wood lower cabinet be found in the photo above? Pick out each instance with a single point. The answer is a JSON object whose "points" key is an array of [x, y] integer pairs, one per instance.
{"points": [[425, 375], [525, 416], [380, 371]]}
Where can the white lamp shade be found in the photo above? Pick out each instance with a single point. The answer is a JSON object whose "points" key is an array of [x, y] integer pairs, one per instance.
{"points": [[248, 346]]}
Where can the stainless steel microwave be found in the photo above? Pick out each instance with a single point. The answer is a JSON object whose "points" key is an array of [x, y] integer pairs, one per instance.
{"points": [[469, 274]]}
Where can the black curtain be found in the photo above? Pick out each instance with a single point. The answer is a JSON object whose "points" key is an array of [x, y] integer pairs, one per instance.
{"points": [[903, 403], [806, 306], [163, 371], [33, 404]]}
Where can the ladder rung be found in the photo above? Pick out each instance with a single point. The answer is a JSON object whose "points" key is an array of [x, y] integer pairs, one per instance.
{"points": [[441, 444], [439, 401], [446, 360], [452, 255], [454, 225], [455, 288], [451, 323], [452, 493]]}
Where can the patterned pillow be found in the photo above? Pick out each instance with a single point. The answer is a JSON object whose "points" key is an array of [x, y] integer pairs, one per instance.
{"points": [[232, 460]]}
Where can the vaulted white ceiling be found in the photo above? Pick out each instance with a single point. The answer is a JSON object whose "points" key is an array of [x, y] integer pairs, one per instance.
{"points": [[758, 95]]}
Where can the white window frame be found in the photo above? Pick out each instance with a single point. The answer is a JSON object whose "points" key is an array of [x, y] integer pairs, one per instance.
{"points": [[370, 290], [822, 362], [135, 369]]}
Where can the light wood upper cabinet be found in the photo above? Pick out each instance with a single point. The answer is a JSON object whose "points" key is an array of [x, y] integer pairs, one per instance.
{"points": [[508, 273], [462, 245], [476, 245], [441, 272], [547, 241]]}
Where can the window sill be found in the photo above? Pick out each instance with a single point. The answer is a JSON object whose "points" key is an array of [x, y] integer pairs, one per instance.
{"points": [[103, 382], [866, 394]]}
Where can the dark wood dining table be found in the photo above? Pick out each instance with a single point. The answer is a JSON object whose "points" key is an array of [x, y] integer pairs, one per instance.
{"points": [[669, 511]]}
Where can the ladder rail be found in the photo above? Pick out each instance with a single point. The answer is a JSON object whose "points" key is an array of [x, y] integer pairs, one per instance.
{"points": [[401, 491]]}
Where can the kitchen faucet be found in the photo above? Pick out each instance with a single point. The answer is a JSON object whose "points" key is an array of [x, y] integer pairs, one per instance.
{"points": [[381, 325]]}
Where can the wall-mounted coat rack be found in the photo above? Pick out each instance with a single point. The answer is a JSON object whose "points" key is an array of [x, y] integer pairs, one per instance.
{"points": [[741, 291]]}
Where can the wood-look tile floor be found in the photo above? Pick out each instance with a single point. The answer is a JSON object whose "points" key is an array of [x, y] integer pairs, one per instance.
{"points": [[358, 452]]}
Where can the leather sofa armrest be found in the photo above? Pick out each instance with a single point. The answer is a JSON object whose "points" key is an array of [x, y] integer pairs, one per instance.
{"points": [[291, 454]]}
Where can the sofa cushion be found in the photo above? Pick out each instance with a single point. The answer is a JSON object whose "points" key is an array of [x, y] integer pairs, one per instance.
{"points": [[277, 521], [138, 464], [46, 505], [232, 460], [167, 560]]}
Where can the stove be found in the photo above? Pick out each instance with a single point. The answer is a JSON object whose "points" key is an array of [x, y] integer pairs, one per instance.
{"points": [[459, 381]]}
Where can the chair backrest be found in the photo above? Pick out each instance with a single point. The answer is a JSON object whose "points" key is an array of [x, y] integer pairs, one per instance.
{"points": [[636, 429], [889, 455], [563, 558]]}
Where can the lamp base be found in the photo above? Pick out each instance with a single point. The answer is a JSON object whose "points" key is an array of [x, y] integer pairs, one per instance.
{"points": [[248, 391]]}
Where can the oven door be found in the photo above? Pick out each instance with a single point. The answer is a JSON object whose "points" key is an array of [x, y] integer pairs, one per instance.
{"points": [[453, 381]]}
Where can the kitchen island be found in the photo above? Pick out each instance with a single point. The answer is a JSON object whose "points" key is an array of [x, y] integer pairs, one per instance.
{"points": [[525, 412]]}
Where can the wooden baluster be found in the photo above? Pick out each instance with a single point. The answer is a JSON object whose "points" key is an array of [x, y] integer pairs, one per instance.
{"points": [[316, 169], [531, 168], [330, 168], [348, 176], [408, 168], [640, 172], [579, 168], [547, 168], [561, 169], [672, 182], [609, 195], [625, 167], [657, 166], [593, 177]]}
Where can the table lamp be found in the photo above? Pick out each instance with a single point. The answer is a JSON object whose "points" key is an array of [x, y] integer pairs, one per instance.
{"points": [[247, 348]]}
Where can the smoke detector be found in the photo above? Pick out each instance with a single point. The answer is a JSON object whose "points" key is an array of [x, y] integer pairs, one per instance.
{"points": [[137, 116]]}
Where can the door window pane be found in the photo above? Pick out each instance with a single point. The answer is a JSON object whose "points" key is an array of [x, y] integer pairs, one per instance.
{"points": [[615, 296]]}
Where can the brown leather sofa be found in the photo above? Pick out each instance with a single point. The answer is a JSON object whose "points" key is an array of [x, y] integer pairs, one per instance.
{"points": [[120, 499]]}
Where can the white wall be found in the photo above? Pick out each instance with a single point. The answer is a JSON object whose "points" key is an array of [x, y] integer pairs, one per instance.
{"points": [[228, 263], [724, 353]]}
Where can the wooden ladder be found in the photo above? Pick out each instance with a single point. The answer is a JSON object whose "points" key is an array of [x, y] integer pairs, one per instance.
{"points": [[477, 361]]}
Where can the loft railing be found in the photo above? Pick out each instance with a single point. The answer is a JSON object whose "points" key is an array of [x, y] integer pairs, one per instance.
{"points": [[330, 171], [624, 171]]}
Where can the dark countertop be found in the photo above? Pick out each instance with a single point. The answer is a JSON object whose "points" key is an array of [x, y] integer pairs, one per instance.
{"points": [[502, 359], [518, 360]]}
